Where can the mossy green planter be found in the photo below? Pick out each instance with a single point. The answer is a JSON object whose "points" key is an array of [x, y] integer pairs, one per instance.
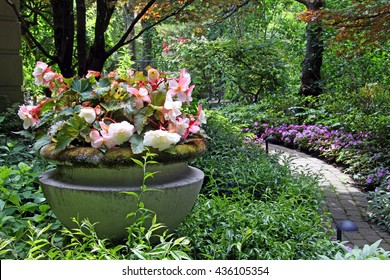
{"points": [[89, 184]]}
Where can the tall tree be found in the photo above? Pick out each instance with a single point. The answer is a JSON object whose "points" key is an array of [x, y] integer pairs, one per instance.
{"points": [[311, 64], [361, 25], [71, 41], [73, 44]]}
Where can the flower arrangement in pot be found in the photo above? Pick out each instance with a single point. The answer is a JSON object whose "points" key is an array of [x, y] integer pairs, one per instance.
{"points": [[96, 127]]}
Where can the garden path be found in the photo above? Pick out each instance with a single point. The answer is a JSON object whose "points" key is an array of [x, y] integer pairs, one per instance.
{"points": [[344, 201]]}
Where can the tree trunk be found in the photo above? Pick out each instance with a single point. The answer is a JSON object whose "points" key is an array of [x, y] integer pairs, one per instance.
{"points": [[97, 54], [63, 19], [311, 65], [81, 37]]}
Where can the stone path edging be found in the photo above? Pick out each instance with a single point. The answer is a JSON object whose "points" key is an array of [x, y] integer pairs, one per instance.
{"points": [[344, 201]]}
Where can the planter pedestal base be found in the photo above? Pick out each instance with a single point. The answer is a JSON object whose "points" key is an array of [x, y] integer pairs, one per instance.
{"points": [[96, 193]]}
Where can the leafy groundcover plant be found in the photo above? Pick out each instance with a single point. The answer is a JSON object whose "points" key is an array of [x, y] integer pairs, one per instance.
{"points": [[251, 208]]}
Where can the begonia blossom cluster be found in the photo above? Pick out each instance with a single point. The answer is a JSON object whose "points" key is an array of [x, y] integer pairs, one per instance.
{"points": [[104, 112]]}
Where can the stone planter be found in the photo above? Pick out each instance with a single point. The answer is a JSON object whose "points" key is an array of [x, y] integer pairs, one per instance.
{"points": [[89, 184]]}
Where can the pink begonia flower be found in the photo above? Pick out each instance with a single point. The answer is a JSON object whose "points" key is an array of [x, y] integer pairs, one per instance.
{"points": [[29, 115], [201, 115], [44, 75], [96, 139], [172, 108], [39, 71], [160, 139], [88, 114], [141, 95], [180, 126], [111, 135], [194, 124], [49, 76], [181, 86], [91, 73]]}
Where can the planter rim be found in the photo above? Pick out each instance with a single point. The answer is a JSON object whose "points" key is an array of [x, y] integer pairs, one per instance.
{"points": [[121, 156]]}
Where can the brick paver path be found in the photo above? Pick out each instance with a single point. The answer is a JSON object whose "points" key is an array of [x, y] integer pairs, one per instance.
{"points": [[344, 201]]}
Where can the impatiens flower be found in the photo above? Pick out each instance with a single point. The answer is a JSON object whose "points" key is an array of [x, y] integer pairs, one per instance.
{"points": [[88, 114], [29, 115], [160, 139], [172, 108], [141, 95]]}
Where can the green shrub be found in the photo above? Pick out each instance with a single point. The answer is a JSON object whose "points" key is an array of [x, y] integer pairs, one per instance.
{"points": [[252, 207]]}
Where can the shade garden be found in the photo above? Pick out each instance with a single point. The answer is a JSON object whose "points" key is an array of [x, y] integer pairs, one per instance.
{"points": [[246, 70]]}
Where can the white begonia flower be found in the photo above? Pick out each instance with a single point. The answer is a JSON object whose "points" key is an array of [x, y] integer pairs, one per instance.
{"points": [[160, 139], [119, 133], [88, 114]]}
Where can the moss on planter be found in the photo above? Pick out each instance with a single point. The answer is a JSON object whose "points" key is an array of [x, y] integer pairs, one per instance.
{"points": [[116, 157]]}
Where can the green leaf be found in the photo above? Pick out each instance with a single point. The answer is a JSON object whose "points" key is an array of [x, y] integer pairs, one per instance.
{"points": [[69, 131], [104, 82], [44, 208], [113, 106], [45, 140], [138, 162], [23, 167], [137, 143], [82, 87], [14, 199], [2, 205], [141, 118], [131, 193], [158, 99], [179, 255]]}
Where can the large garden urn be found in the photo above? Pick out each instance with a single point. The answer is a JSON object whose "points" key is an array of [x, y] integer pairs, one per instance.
{"points": [[89, 183]]}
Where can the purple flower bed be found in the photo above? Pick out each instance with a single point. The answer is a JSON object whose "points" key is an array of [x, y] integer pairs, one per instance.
{"points": [[360, 154], [352, 151]]}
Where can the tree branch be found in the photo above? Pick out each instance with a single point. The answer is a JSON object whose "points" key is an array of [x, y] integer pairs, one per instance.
{"points": [[29, 34], [81, 37], [233, 9], [123, 40], [36, 11]]}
